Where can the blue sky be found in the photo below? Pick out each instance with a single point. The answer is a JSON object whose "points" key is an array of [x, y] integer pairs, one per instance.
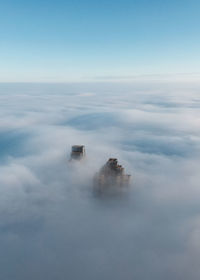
{"points": [[61, 41]]}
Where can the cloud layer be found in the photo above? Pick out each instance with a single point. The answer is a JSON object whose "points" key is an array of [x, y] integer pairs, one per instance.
{"points": [[51, 224]]}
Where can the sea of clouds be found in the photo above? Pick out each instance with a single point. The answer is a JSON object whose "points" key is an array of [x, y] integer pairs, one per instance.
{"points": [[52, 226]]}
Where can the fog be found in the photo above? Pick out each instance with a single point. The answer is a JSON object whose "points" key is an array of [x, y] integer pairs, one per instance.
{"points": [[52, 226]]}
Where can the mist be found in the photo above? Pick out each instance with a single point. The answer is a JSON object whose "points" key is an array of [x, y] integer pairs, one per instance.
{"points": [[52, 226]]}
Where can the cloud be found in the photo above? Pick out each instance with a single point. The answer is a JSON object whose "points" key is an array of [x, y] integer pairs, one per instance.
{"points": [[51, 224], [170, 77]]}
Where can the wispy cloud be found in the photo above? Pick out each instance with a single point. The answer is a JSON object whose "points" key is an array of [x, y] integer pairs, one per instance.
{"points": [[152, 77]]}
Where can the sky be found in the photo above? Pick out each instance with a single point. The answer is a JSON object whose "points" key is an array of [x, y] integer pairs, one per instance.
{"points": [[73, 41], [121, 78], [52, 224]]}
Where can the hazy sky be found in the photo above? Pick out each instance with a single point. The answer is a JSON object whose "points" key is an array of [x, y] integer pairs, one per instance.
{"points": [[89, 40]]}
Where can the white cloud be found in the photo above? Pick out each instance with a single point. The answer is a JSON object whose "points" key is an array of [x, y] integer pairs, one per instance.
{"points": [[51, 223]]}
